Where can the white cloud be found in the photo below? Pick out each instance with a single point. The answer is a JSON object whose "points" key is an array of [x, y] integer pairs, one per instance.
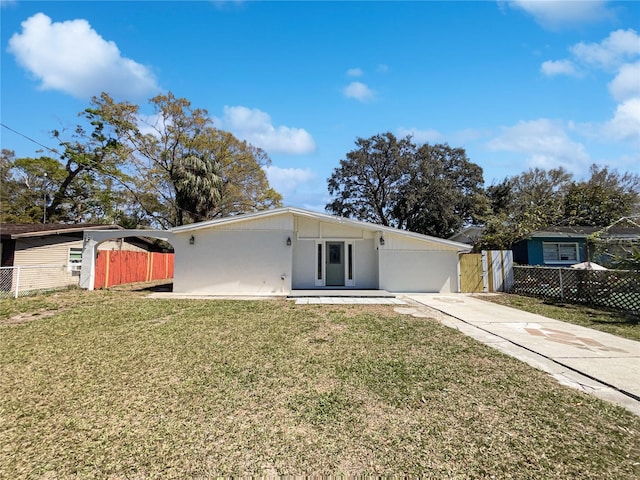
{"points": [[255, 126], [559, 67], [72, 57], [611, 54], [626, 84], [355, 72], [287, 180], [625, 124], [544, 142], [359, 91], [618, 53], [556, 14], [613, 51], [421, 136]]}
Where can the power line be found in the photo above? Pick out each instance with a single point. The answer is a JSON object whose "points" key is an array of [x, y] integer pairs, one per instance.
{"points": [[29, 138]]}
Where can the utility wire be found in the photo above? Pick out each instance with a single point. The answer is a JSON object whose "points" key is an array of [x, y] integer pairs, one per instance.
{"points": [[30, 139]]}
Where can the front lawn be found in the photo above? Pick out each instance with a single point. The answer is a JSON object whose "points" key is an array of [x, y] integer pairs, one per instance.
{"points": [[610, 321], [110, 384]]}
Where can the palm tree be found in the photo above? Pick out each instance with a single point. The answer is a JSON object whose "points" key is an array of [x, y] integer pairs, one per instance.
{"points": [[198, 185]]}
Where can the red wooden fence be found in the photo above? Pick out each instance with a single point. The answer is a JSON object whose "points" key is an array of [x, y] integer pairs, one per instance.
{"points": [[116, 267]]}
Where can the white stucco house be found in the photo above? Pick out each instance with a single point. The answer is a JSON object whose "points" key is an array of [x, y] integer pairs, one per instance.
{"points": [[275, 252]]}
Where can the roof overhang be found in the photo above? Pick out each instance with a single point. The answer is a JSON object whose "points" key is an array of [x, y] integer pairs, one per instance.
{"points": [[543, 234], [62, 231]]}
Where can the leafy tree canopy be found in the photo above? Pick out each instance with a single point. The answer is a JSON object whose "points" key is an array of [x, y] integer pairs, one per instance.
{"points": [[430, 189], [183, 169], [167, 169], [538, 199]]}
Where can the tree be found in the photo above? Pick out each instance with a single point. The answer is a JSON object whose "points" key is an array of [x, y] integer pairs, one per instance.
{"points": [[603, 199], [34, 181], [522, 204], [245, 187], [92, 163], [178, 161], [366, 184], [430, 189], [538, 199], [442, 191], [79, 186]]}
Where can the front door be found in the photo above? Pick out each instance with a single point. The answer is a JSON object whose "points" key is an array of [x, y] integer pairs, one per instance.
{"points": [[335, 264]]}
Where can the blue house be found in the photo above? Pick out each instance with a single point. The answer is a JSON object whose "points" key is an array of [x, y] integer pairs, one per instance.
{"points": [[566, 246], [554, 247]]}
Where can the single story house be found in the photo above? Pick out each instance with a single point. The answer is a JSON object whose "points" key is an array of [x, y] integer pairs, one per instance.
{"points": [[56, 246], [275, 252], [565, 246], [469, 235]]}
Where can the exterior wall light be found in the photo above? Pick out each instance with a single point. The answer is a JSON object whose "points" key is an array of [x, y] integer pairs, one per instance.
{"points": [[381, 240], [192, 240], [288, 241]]}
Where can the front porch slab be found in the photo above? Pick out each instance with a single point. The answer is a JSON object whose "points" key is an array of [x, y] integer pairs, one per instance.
{"points": [[340, 292]]}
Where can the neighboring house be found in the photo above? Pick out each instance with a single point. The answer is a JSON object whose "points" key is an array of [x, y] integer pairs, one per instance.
{"points": [[469, 235], [59, 245], [565, 246], [273, 252]]}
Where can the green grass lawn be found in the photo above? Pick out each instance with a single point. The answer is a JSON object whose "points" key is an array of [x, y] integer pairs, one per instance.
{"points": [[610, 321], [110, 384]]}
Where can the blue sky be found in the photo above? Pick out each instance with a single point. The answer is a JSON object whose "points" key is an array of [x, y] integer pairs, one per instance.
{"points": [[517, 84]]}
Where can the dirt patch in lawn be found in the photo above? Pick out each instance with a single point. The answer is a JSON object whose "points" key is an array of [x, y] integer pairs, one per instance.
{"points": [[27, 317]]}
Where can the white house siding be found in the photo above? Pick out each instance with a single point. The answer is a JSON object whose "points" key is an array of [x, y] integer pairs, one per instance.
{"points": [[414, 265], [418, 271], [304, 258], [280, 222], [309, 231], [366, 264], [399, 242], [250, 255], [251, 258]]}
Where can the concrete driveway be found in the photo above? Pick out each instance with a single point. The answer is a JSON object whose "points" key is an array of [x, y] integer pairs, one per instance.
{"points": [[595, 362]]}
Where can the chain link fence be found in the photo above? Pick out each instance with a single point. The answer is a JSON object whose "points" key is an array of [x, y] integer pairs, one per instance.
{"points": [[617, 289], [31, 280]]}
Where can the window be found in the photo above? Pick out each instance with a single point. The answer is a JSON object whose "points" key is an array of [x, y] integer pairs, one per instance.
{"points": [[75, 256], [556, 252], [75, 259], [335, 254], [319, 266]]}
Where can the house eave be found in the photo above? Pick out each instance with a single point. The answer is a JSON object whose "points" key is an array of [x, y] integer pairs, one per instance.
{"points": [[62, 231]]}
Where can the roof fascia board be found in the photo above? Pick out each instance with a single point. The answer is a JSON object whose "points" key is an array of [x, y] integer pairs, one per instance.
{"points": [[62, 231], [559, 235]]}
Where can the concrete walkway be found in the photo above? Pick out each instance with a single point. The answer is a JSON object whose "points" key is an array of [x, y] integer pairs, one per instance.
{"points": [[595, 362]]}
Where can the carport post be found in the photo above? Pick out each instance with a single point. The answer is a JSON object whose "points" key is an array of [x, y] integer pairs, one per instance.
{"points": [[87, 270]]}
